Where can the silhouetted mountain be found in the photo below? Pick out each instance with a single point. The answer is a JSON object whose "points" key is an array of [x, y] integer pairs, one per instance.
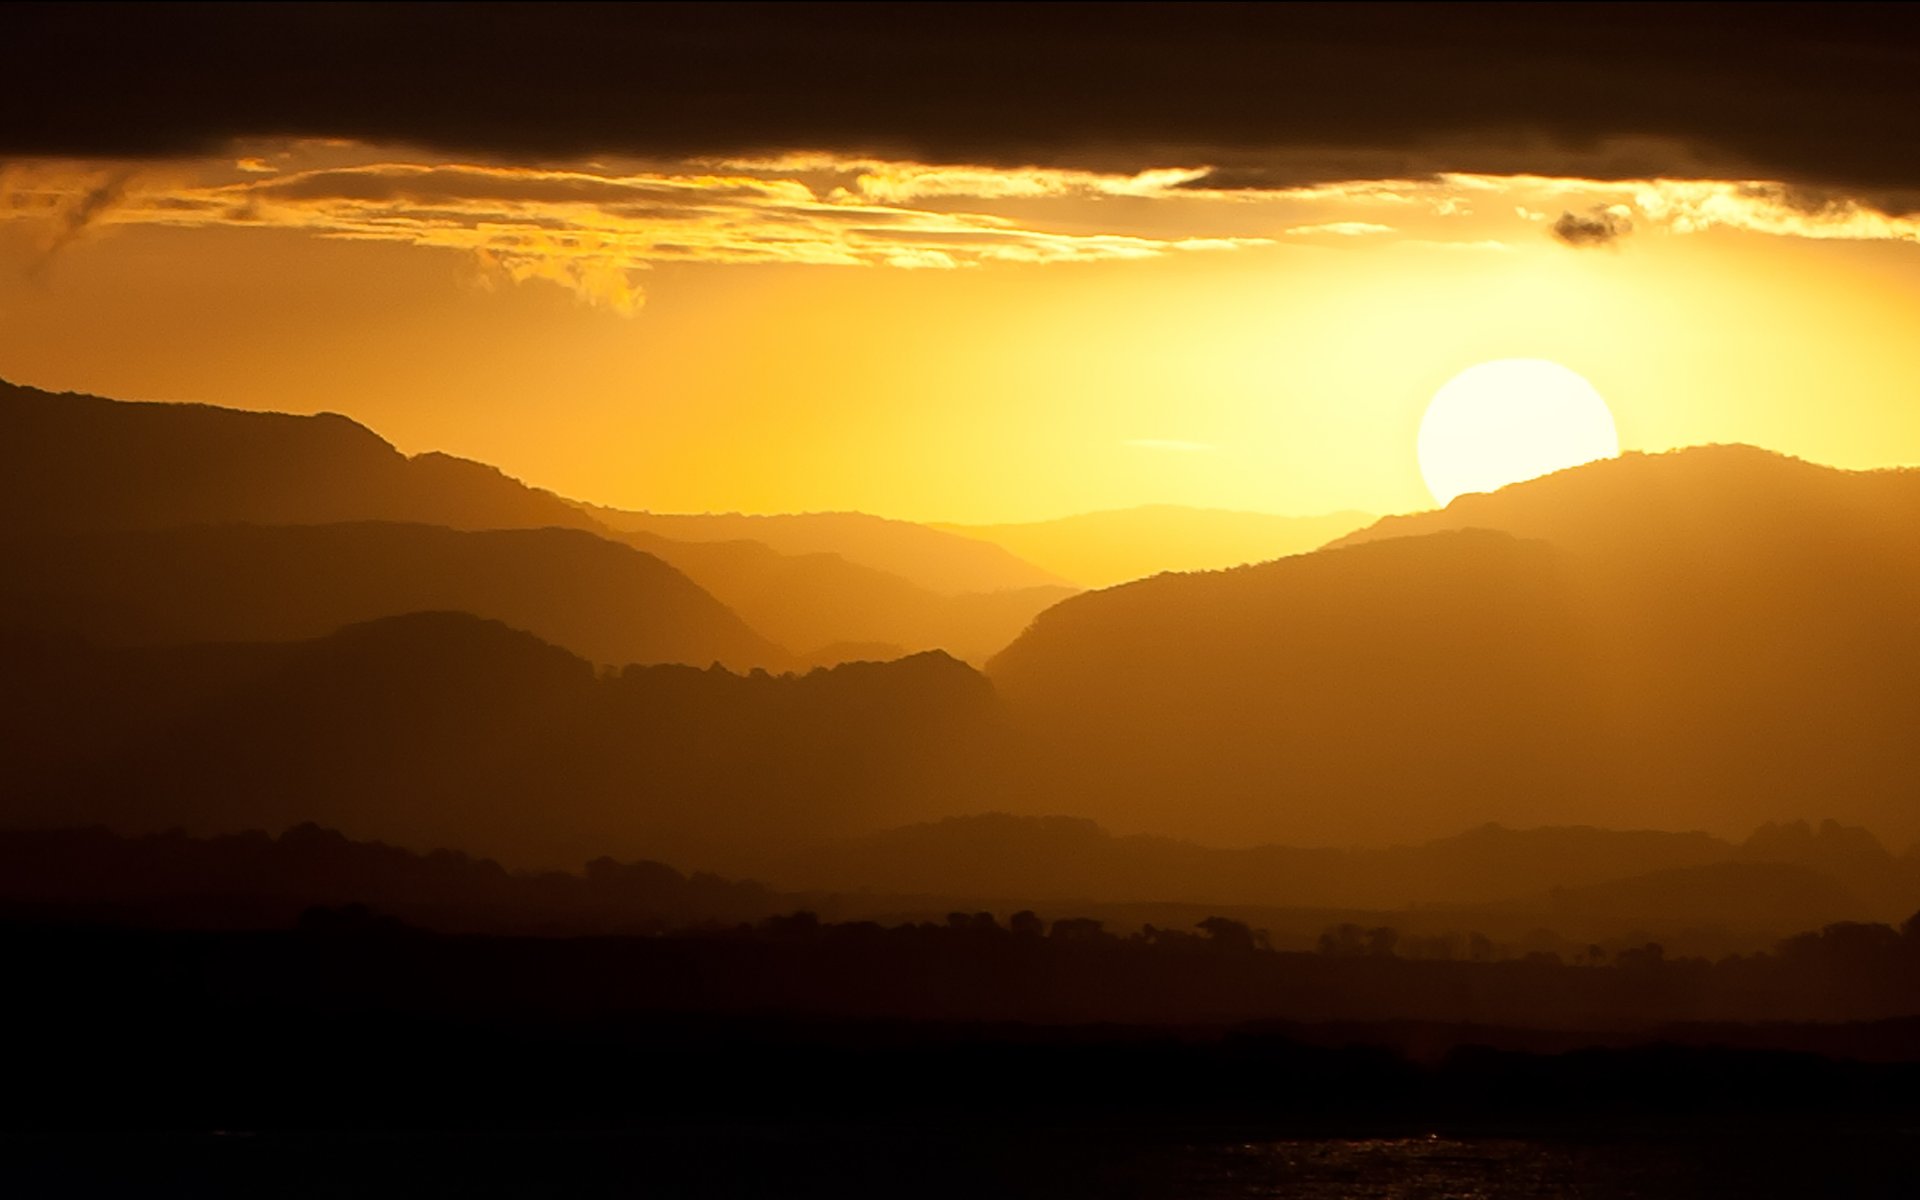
{"points": [[1764, 897], [1069, 858], [1850, 855], [74, 462], [1707, 639], [810, 602], [253, 880], [77, 463], [1356, 695], [604, 601], [931, 558], [441, 729], [1104, 548]]}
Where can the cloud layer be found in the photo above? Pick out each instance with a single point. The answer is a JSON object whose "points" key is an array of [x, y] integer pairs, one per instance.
{"points": [[1272, 96], [594, 231]]}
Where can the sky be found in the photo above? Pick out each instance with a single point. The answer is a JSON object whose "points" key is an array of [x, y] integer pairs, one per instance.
{"points": [[975, 265]]}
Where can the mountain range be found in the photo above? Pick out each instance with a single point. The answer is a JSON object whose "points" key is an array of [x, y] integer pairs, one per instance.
{"points": [[1709, 638], [1101, 549], [219, 620]]}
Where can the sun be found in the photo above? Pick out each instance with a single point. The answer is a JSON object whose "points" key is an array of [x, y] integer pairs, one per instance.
{"points": [[1511, 419]]}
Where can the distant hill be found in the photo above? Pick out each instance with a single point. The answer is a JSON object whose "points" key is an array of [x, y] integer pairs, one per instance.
{"points": [[1762, 896], [1071, 858], [930, 558], [605, 602], [254, 880], [1711, 638], [1104, 548], [441, 729], [81, 464], [1375, 695], [1582, 884], [75, 462], [811, 602]]}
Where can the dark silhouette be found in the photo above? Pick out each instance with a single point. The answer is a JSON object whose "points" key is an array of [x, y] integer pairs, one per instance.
{"points": [[318, 879], [932, 558], [835, 610], [831, 587], [445, 730], [607, 603], [1702, 639]]}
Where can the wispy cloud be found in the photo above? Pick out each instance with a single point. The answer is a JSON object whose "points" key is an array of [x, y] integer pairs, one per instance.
{"points": [[594, 230], [1691, 206], [1341, 229]]}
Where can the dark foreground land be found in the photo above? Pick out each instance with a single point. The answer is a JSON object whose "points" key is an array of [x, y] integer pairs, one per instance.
{"points": [[353, 1058]]}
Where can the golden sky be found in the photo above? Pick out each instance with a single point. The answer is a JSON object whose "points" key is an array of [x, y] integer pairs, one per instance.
{"points": [[950, 343]]}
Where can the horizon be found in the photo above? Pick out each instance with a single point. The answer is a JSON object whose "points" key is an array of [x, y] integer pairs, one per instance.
{"points": [[592, 502], [1054, 601]]}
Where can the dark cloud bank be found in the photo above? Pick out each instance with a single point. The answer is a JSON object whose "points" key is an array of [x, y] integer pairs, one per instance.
{"points": [[1819, 96]]}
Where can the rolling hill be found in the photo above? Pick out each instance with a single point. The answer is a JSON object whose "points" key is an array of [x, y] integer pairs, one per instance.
{"points": [[608, 603], [79, 464], [76, 462], [928, 557], [442, 729], [1705, 639], [1104, 548]]}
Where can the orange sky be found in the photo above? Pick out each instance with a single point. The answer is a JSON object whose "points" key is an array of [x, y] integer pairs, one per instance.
{"points": [[957, 344]]}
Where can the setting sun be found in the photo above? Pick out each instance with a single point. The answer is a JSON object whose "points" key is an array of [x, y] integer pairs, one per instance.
{"points": [[945, 600], [1511, 420]]}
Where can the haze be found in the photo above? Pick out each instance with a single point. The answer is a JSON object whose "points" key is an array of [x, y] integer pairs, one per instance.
{"points": [[762, 579]]}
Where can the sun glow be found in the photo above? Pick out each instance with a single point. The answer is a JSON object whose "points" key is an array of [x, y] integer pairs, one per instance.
{"points": [[1510, 420]]}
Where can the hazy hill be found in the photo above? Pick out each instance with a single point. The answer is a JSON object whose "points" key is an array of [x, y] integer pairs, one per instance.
{"points": [[605, 602], [253, 880], [1361, 695], [1070, 858], [441, 729], [1710, 639], [1103, 548], [828, 608], [1771, 898], [75, 462], [930, 558]]}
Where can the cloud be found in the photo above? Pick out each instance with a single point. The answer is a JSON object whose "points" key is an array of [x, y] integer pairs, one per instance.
{"points": [[1270, 96], [1603, 226], [594, 231], [1694, 206], [1341, 229]]}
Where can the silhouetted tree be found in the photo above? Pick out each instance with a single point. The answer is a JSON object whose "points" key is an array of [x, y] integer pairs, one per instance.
{"points": [[798, 924], [1649, 957], [1228, 934], [1079, 929], [1345, 939], [1026, 923]]}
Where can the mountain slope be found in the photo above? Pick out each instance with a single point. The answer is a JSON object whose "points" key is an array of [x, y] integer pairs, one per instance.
{"points": [[930, 558], [811, 601], [441, 729], [1326, 698], [1104, 548], [605, 602], [1711, 639], [76, 462]]}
